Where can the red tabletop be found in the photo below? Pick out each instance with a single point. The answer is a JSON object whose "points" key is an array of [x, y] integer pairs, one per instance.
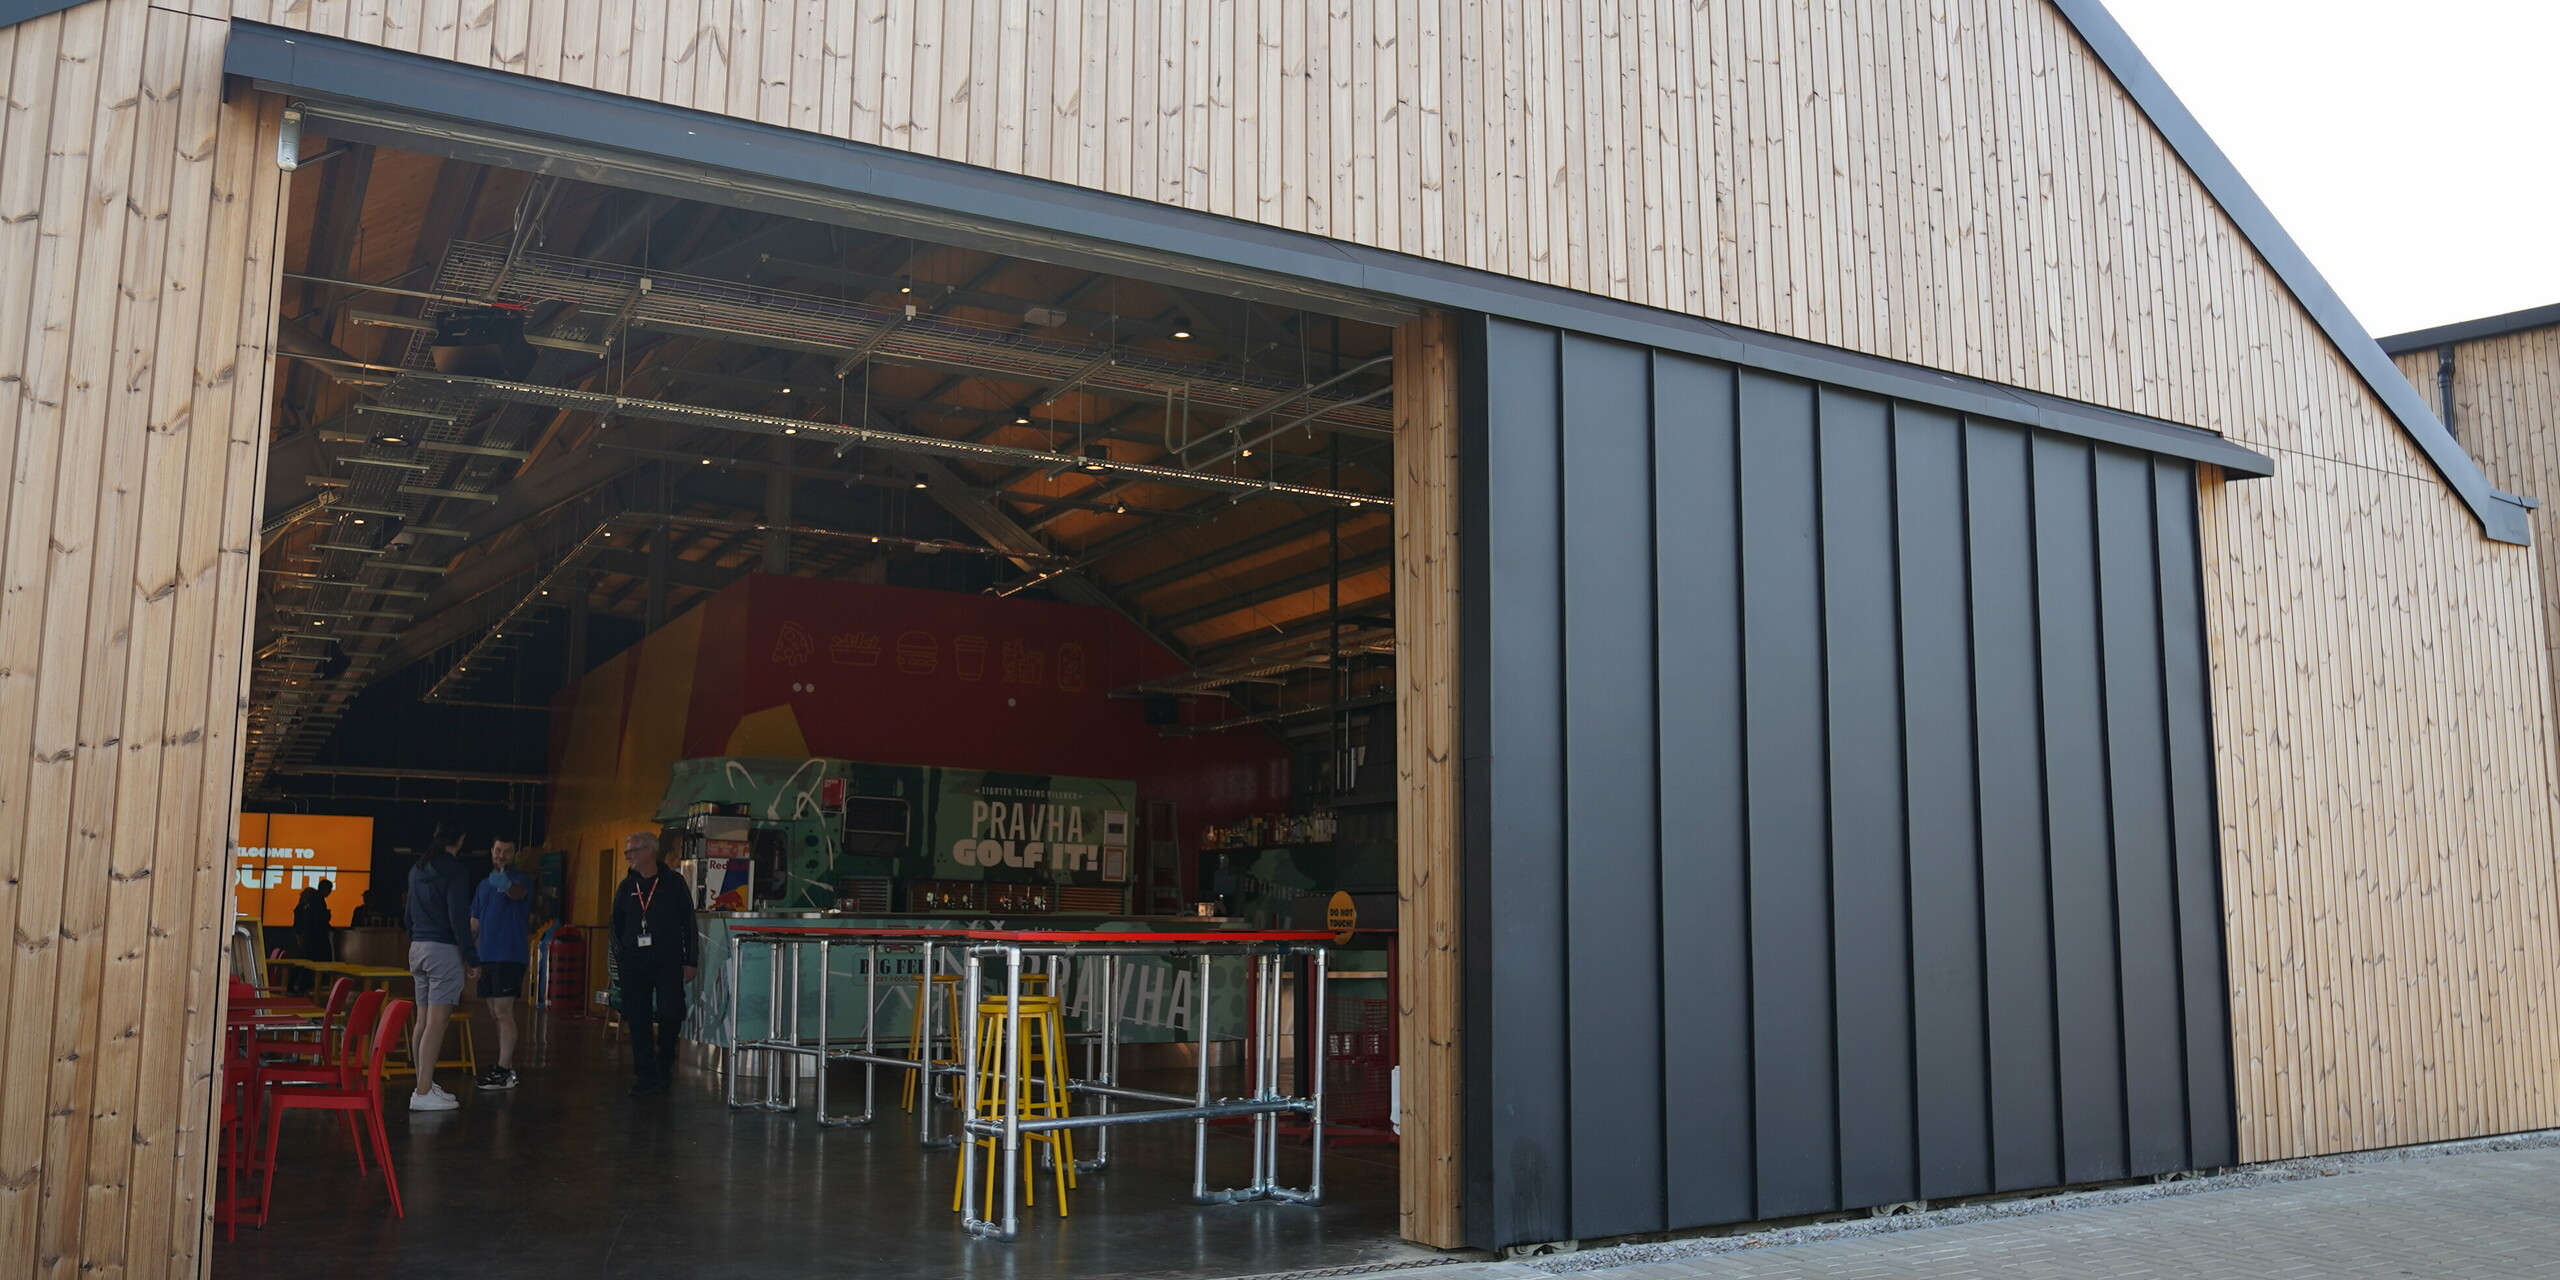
{"points": [[263, 1021], [1049, 935]]}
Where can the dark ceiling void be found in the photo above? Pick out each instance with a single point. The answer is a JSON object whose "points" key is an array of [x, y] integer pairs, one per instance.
{"points": [[521, 420]]}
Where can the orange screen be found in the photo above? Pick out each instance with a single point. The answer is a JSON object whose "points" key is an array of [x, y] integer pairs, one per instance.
{"points": [[281, 853]]}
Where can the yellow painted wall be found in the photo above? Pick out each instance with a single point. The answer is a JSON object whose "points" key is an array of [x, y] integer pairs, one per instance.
{"points": [[626, 729]]}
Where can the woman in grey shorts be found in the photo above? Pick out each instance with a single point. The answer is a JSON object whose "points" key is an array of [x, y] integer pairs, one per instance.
{"points": [[439, 925]]}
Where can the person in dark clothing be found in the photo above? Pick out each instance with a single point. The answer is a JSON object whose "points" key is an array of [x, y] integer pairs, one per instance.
{"points": [[439, 930], [654, 956], [310, 933]]}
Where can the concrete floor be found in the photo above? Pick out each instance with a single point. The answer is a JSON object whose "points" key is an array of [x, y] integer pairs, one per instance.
{"points": [[569, 1176]]}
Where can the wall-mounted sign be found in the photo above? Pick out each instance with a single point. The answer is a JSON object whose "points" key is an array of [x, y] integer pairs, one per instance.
{"points": [[1015, 826], [281, 854], [1342, 916]]}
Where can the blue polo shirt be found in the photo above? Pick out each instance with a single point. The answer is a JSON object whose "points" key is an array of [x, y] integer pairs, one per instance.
{"points": [[502, 919]]}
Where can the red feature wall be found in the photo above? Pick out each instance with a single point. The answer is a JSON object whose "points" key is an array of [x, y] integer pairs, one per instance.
{"points": [[898, 675]]}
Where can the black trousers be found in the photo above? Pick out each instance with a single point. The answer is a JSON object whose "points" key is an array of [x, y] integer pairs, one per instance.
{"points": [[653, 1003]]}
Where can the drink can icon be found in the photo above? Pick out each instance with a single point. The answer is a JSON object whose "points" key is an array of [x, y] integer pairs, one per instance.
{"points": [[969, 656]]}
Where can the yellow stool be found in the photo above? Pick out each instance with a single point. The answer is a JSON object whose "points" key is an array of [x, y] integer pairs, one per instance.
{"points": [[1042, 1088], [405, 1053], [947, 989], [470, 1059]]}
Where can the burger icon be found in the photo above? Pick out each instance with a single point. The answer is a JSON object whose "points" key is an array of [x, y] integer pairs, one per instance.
{"points": [[919, 654]]}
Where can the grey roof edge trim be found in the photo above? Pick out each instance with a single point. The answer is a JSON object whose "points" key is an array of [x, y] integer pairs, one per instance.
{"points": [[539, 112], [13, 12], [2501, 515], [2497, 326]]}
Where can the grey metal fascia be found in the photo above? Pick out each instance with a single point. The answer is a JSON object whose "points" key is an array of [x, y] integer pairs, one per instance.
{"points": [[506, 119], [2501, 514], [13, 12], [2473, 330]]}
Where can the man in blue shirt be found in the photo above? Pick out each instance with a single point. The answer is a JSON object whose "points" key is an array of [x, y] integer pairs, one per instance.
{"points": [[501, 909]]}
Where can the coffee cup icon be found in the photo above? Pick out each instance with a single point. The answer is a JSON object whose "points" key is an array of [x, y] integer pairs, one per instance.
{"points": [[969, 656]]}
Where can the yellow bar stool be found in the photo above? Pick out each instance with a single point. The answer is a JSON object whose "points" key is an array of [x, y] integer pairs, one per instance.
{"points": [[947, 990], [1043, 1090], [946, 987]]}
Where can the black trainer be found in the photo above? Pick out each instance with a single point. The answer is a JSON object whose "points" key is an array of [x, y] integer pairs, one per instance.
{"points": [[495, 1078]]}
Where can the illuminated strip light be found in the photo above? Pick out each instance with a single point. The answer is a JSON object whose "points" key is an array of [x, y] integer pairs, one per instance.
{"points": [[895, 441]]}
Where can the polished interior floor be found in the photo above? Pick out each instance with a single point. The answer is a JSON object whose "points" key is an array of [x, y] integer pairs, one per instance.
{"points": [[570, 1176]]}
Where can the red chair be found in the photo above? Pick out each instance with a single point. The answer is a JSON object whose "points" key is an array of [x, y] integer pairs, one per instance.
{"points": [[364, 1095], [340, 992], [343, 1069]]}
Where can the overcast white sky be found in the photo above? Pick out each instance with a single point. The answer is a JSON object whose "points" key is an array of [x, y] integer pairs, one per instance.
{"points": [[2413, 149]]}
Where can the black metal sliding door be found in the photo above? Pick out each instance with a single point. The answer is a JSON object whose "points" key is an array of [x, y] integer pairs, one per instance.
{"points": [[1839, 800]]}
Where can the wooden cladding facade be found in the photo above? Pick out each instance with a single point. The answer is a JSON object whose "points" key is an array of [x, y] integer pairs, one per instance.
{"points": [[139, 232], [2506, 413], [1957, 184]]}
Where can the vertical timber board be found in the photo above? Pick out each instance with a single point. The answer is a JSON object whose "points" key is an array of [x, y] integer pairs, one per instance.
{"points": [[134, 457], [1428, 814]]}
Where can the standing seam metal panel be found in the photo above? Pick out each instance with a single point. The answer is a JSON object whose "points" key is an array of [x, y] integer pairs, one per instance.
{"points": [[1840, 808]]}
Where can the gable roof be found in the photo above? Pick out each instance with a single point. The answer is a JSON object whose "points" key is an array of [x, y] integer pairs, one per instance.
{"points": [[2501, 514], [2473, 330]]}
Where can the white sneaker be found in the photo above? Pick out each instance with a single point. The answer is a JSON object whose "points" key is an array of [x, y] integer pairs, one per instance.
{"points": [[439, 1091], [439, 1100]]}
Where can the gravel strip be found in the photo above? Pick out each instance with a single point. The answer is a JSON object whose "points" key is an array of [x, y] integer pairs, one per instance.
{"points": [[1628, 1255]]}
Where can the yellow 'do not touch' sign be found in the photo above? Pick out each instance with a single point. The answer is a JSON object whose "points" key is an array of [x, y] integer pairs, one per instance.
{"points": [[1341, 917]]}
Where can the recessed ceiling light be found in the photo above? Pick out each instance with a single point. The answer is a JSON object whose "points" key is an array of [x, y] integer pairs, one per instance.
{"points": [[1120, 509], [359, 519], [1184, 334], [706, 462], [875, 537], [791, 431], [920, 481], [1247, 453], [786, 391], [1022, 422], [906, 289]]}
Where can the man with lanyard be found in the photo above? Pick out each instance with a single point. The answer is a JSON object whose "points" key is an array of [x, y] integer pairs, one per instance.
{"points": [[501, 908], [653, 951]]}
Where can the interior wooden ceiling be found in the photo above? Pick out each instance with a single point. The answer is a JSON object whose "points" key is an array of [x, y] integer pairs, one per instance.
{"points": [[1232, 581]]}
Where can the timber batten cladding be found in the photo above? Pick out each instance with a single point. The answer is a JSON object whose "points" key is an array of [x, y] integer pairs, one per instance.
{"points": [[2504, 375], [1966, 188], [139, 230]]}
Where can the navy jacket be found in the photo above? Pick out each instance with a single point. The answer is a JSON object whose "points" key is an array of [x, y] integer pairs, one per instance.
{"points": [[440, 900]]}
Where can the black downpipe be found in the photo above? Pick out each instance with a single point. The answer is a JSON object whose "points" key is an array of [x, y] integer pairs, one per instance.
{"points": [[2444, 387]]}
